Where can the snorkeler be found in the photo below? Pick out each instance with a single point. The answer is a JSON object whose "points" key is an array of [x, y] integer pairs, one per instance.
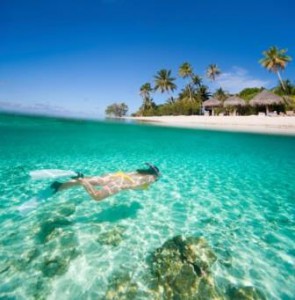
{"points": [[112, 183]]}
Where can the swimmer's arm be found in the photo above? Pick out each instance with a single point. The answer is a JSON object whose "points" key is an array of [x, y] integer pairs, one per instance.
{"points": [[98, 195]]}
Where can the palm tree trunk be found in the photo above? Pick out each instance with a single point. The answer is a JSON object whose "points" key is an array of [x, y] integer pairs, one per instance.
{"points": [[190, 93], [281, 81]]}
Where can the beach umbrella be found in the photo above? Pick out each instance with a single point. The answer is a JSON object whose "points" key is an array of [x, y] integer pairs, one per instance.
{"points": [[235, 102], [211, 104], [266, 98]]}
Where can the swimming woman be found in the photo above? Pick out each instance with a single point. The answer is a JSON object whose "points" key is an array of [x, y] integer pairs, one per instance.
{"points": [[112, 183]]}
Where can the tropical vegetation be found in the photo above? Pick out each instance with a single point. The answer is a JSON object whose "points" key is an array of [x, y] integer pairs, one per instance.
{"points": [[189, 99], [193, 92], [213, 71], [116, 110], [275, 60]]}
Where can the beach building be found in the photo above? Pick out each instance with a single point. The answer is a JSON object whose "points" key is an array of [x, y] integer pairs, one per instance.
{"points": [[211, 104], [266, 99], [234, 102]]}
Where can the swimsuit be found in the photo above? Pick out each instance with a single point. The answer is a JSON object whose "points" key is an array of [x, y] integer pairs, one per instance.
{"points": [[123, 176]]}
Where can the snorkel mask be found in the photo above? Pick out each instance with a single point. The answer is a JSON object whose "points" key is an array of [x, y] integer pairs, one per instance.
{"points": [[155, 170], [152, 170]]}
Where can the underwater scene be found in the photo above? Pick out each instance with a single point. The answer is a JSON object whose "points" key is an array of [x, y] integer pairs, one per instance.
{"points": [[218, 224]]}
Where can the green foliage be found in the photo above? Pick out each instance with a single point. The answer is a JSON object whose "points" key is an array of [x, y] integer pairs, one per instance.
{"points": [[213, 71], [275, 59], [145, 90], [203, 92], [289, 88], [194, 92], [289, 102], [164, 82], [116, 110], [148, 105], [248, 93], [180, 107], [185, 70], [196, 80], [220, 94], [186, 94]]}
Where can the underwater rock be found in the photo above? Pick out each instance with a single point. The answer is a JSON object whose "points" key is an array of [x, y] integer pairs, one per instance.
{"points": [[58, 244], [40, 288], [121, 287], [51, 228], [245, 293], [197, 252], [54, 266], [169, 259], [113, 237], [182, 268], [58, 265], [25, 259], [66, 210], [207, 289]]}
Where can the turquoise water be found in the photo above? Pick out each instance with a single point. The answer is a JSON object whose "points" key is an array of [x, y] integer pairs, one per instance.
{"points": [[234, 189]]}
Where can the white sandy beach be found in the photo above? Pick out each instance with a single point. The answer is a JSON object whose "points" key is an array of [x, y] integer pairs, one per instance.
{"points": [[263, 124]]}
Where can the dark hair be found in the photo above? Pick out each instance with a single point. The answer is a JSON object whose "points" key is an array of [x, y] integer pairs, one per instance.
{"points": [[152, 170]]}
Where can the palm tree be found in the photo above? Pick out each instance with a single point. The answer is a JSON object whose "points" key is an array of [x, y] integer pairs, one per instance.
{"points": [[275, 60], [197, 80], [170, 100], [203, 94], [145, 92], [148, 103], [213, 71], [220, 94], [289, 88], [185, 94], [186, 71], [164, 81]]}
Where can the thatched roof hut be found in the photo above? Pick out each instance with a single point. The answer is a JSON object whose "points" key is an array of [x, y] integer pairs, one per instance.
{"points": [[234, 101], [265, 98], [212, 102]]}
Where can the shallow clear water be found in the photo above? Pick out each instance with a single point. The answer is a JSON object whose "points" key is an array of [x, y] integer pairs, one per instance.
{"points": [[235, 189]]}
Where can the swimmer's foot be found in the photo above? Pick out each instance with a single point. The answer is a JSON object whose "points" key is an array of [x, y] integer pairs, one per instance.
{"points": [[79, 175], [55, 186]]}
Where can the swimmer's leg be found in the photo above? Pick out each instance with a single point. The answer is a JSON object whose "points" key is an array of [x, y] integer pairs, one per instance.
{"points": [[99, 195], [97, 180], [57, 186]]}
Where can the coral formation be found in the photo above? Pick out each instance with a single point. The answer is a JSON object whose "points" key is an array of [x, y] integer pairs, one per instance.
{"points": [[182, 268], [112, 237]]}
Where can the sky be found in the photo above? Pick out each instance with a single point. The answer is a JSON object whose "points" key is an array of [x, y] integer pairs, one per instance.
{"points": [[74, 58]]}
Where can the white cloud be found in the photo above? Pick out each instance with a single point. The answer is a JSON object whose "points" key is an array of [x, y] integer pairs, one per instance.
{"points": [[237, 79]]}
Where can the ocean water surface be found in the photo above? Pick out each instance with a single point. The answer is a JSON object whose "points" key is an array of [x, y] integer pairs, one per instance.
{"points": [[236, 190]]}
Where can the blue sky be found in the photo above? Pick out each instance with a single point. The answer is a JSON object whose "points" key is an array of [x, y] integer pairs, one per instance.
{"points": [[76, 57]]}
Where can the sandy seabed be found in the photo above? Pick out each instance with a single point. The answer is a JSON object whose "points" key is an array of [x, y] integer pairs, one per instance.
{"points": [[263, 124]]}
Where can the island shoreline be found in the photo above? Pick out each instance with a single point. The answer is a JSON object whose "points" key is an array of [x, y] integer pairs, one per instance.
{"points": [[283, 125]]}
